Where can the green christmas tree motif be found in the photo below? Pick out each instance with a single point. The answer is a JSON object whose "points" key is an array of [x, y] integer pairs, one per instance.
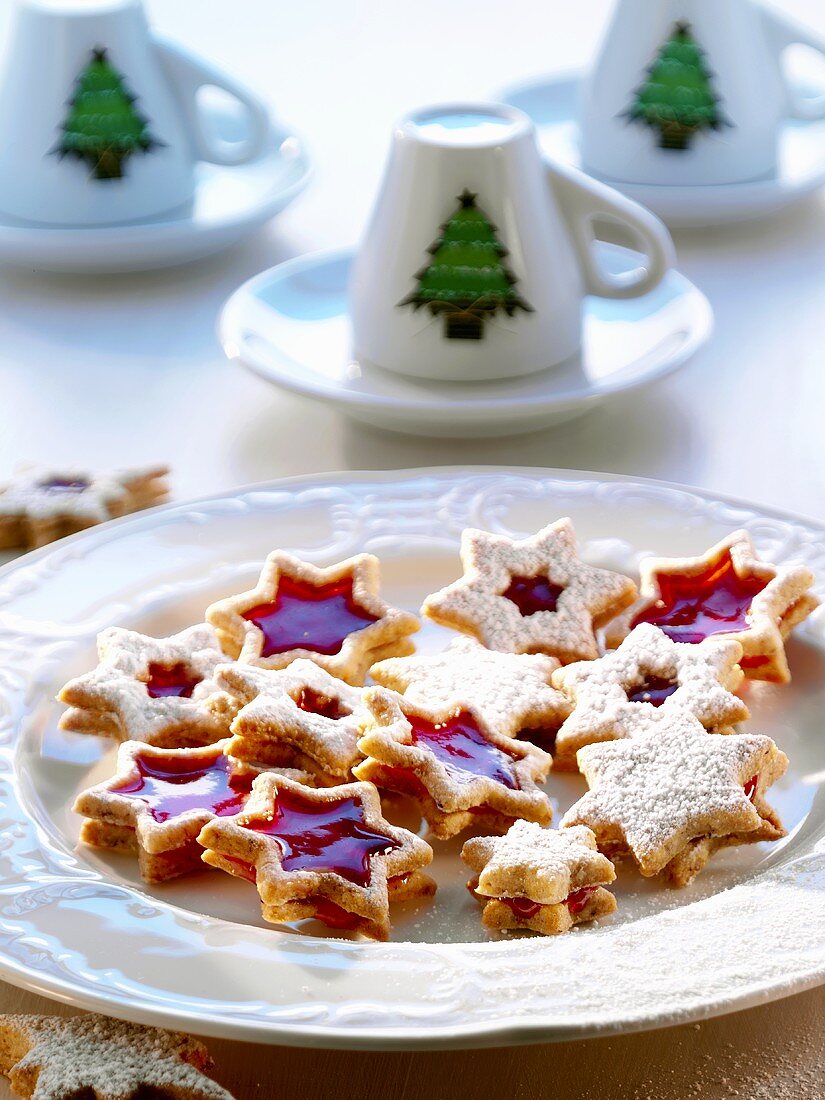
{"points": [[466, 279], [102, 127], [677, 98]]}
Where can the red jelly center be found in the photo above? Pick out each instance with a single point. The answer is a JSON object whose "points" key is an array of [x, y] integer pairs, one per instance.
{"points": [[532, 594], [315, 703], [523, 907], [169, 680], [170, 786], [694, 608], [579, 898], [64, 485], [463, 750], [304, 616], [750, 787], [655, 690], [327, 836]]}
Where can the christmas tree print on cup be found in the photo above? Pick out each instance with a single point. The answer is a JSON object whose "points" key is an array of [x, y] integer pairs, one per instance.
{"points": [[110, 130], [500, 291], [466, 280]]}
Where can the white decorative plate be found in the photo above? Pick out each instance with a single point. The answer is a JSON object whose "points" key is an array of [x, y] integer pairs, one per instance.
{"points": [[79, 926]]}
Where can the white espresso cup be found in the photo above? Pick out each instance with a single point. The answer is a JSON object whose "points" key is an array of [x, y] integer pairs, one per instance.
{"points": [[99, 119], [478, 254], [692, 92]]}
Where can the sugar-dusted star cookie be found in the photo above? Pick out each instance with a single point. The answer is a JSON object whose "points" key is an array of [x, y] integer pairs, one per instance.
{"points": [[157, 690], [90, 1056], [542, 879], [37, 507], [333, 616], [612, 696], [533, 596], [158, 801], [460, 771], [299, 716], [510, 692], [725, 591], [672, 798], [327, 854]]}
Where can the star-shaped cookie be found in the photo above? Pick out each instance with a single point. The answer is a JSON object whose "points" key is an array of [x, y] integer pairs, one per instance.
{"points": [[326, 853], [40, 506], [648, 674], [460, 771], [333, 616], [299, 716], [672, 798], [725, 591], [542, 879], [157, 690], [510, 692], [59, 1058], [533, 596]]}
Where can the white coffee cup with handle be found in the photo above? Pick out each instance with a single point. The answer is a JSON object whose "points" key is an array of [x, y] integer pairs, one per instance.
{"points": [[99, 118], [692, 92], [478, 254]]}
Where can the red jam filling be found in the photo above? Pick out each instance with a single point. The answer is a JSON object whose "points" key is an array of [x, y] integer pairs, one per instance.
{"points": [[654, 690], [533, 594], [171, 680], [314, 703], [305, 616], [523, 907], [750, 787], [64, 485], [579, 898], [170, 786], [463, 750], [694, 608], [327, 836]]}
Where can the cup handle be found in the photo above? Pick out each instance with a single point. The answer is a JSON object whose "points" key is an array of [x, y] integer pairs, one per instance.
{"points": [[582, 200], [783, 33], [188, 73]]}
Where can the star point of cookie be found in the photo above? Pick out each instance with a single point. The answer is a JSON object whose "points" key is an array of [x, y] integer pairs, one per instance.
{"points": [[726, 591], [300, 716], [672, 799], [331, 615], [540, 879], [531, 596], [327, 853], [510, 692], [648, 674], [39, 506], [63, 1058], [459, 771], [157, 690]]}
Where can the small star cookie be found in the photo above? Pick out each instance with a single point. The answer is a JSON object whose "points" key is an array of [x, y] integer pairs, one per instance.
{"points": [[542, 879], [728, 591], [510, 692], [157, 690], [327, 854], [533, 596], [333, 616], [300, 716], [648, 671], [672, 799], [40, 506], [64, 1058], [459, 770]]}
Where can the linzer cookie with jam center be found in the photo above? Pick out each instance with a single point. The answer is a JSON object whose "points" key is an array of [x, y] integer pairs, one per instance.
{"points": [[299, 716], [539, 879], [459, 771], [333, 616], [725, 591], [673, 798], [649, 673], [531, 596], [327, 854], [159, 800], [157, 690]]}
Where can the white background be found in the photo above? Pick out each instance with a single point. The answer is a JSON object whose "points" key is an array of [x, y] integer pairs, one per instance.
{"points": [[114, 370]]}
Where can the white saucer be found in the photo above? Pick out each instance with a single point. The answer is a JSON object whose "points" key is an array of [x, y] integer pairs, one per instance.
{"points": [[230, 204], [290, 326], [552, 104]]}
